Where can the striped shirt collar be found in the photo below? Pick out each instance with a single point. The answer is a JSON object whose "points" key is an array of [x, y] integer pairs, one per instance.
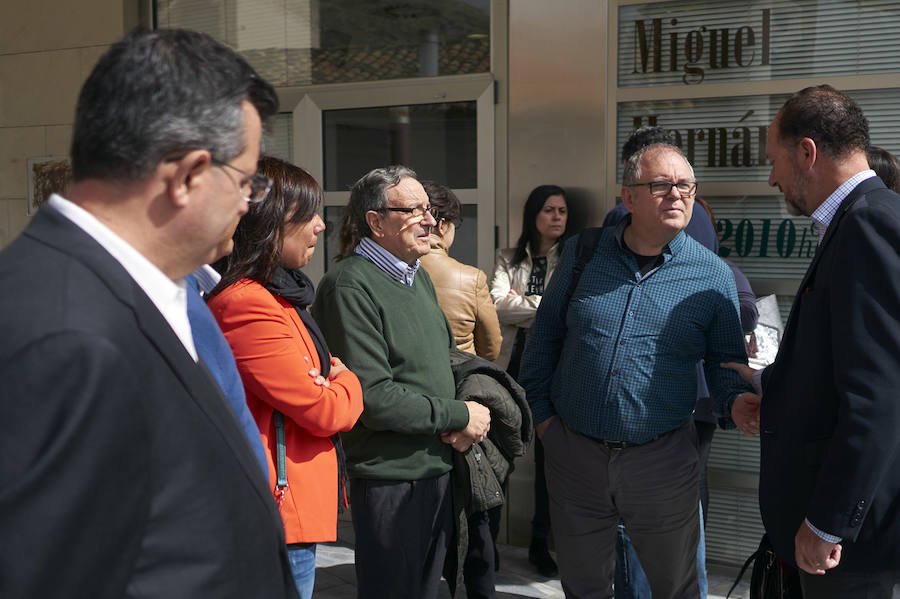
{"points": [[207, 278], [393, 266], [827, 209]]}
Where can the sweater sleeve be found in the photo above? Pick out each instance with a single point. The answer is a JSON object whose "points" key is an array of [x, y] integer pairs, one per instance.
{"points": [[274, 362], [350, 320]]}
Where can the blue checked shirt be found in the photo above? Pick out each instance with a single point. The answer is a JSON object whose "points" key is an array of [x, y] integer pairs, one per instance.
{"points": [[619, 363]]}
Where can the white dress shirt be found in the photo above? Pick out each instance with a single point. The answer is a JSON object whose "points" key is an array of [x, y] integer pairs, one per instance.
{"points": [[168, 296]]}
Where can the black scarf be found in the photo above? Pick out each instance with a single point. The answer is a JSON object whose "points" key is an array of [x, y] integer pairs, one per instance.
{"points": [[299, 291]]}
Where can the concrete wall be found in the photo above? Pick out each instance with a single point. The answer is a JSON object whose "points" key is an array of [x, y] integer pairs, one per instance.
{"points": [[557, 104], [47, 49], [557, 111]]}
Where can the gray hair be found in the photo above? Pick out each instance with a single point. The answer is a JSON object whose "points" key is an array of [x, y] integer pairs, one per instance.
{"points": [[632, 171], [369, 193], [155, 94]]}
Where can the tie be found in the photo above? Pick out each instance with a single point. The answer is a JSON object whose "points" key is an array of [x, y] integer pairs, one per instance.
{"points": [[214, 351]]}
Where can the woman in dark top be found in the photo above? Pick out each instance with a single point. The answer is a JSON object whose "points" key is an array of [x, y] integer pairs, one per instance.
{"points": [[520, 276]]}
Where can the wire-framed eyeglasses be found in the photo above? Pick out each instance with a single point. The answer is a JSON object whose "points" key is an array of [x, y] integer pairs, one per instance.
{"points": [[258, 185], [661, 189], [254, 187]]}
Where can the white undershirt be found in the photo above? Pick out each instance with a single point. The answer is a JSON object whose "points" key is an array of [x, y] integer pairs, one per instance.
{"points": [[168, 296]]}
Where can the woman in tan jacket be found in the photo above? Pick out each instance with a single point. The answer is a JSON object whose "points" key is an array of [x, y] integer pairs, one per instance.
{"points": [[462, 290], [463, 295]]}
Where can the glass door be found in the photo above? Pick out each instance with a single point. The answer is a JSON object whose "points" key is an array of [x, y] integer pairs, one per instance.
{"points": [[441, 128]]}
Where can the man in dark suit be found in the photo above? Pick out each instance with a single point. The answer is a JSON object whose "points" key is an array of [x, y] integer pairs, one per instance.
{"points": [[123, 471], [830, 417]]}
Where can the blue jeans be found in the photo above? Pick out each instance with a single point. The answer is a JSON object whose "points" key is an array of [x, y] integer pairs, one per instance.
{"points": [[631, 582], [303, 567]]}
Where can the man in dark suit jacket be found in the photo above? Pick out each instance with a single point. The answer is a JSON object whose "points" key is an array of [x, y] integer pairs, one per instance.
{"points": [[830, 417], [123, 471]]}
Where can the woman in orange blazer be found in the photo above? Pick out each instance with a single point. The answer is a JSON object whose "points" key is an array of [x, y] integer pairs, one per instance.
{"points": [[261, 306]]}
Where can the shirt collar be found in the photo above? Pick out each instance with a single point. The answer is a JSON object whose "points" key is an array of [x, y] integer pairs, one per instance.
{"points": [[167, 295], [669, 250], [207, 278], [393, 266], [827, 209]]}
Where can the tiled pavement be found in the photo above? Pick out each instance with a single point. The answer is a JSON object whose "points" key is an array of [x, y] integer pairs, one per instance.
{"points": [[335, 578]]}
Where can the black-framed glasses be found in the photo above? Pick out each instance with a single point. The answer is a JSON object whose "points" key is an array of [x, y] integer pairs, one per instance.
{"points": [[661, 189], [259, 185], [414, 211]]}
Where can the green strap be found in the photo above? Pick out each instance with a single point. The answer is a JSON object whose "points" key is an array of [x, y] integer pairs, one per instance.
{"points": [[280, 466]]}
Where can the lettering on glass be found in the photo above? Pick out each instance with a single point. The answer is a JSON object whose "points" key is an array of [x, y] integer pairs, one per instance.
{"points": [[719, 147], [765, 238], [700, 49]]}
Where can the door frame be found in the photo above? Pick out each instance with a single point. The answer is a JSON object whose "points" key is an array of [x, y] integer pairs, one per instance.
{"points": [[308, 103]]}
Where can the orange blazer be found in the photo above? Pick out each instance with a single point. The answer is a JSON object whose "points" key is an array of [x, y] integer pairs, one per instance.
{"points": [[274, 353]]}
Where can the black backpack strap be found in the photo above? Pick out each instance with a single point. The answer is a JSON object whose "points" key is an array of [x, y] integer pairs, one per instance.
{"points": [[584, 251]]}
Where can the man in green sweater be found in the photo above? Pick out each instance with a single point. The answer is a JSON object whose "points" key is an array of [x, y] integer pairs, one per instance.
{"points": [[379, 313]]}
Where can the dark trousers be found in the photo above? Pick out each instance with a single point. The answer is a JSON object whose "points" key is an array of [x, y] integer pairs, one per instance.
{"points": [[652, 488], [478, 568], [540, 523], [403, 530], [705, 432], [836, 584], [495, 514]]}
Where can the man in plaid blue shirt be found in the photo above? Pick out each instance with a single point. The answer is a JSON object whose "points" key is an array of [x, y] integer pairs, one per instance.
{"points": [[611, 380]]}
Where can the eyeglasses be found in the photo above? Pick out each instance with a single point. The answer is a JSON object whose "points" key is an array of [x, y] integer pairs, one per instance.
{"points": [[415, 211], [661, 189], [259, 185]]}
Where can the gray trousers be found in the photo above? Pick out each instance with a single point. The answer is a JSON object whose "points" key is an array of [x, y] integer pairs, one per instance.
{"points": [[653, 488]]}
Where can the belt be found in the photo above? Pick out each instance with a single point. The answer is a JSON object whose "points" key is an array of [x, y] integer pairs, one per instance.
{"points": [[620, 445]]}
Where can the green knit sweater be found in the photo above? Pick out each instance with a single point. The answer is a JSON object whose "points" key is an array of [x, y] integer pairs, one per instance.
{"points": [[396, 339]]}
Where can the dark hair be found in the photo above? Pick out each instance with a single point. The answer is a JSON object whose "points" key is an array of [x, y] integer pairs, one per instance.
{"points": [[157, 93], [444, 201], [533, 205], [258, 237], [369, 193], [828, 117], [631, 174], [646, 136], [885, 166]]}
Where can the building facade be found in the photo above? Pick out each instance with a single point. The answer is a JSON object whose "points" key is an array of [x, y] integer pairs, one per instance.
{"points": [[495, 97]]}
